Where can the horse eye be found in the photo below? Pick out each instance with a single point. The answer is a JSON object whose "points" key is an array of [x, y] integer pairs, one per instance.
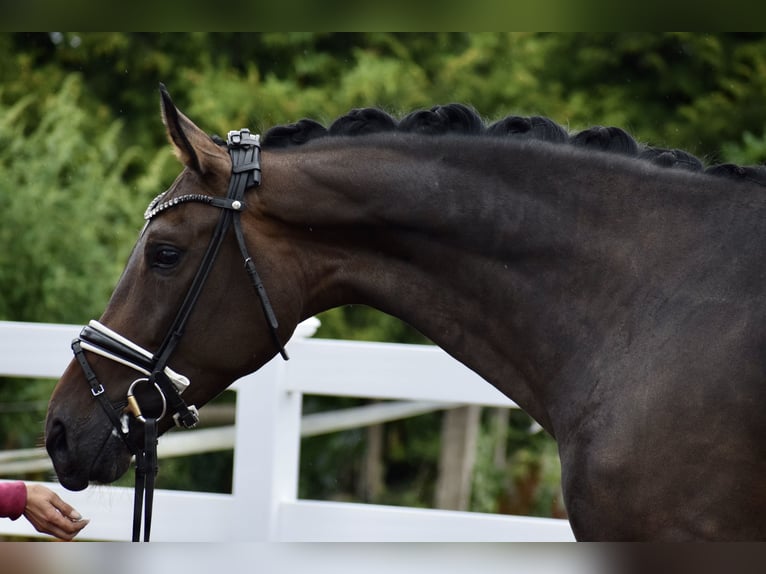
{"points": [[166, 257]]}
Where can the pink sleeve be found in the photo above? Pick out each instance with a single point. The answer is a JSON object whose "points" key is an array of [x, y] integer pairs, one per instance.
{"points": [[13, 499]]}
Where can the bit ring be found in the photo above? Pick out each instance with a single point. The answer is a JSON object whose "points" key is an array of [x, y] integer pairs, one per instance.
{"points": [[133, 406]]}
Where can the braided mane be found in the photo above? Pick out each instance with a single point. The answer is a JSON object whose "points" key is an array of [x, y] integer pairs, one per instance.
{"points": [[462, 119]]}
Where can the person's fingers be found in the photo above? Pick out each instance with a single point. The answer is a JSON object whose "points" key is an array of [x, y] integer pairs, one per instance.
{"points": [[63, 519], [64, 508], [49, 514], [69, 529], [59, 526]]}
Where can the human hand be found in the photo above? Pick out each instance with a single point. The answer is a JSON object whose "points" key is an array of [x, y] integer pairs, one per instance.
{"points": [[50, 515]]}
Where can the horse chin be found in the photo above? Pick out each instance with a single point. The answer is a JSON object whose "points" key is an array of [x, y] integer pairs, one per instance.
{"points": [[72, 481], [107, 469], [111, 463]]}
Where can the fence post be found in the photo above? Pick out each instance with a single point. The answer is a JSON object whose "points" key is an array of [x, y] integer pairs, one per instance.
{"points": [[460, 432], [266, 451]]}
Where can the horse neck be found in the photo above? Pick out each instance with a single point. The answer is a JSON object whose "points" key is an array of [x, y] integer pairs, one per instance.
{"points": [[507, 256]]}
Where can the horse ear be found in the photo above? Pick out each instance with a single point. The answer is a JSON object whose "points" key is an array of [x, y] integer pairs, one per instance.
{"points": [[192, 146]]}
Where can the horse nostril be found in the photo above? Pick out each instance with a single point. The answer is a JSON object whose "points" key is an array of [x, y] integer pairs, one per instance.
{"points": [[55, 441]]}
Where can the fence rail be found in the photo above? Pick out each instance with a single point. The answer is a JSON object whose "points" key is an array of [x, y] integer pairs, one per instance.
{"points": [[222, 437], [264, 505]]}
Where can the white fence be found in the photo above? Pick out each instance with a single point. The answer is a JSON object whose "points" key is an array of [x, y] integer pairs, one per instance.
{"points": [[264, 505]]}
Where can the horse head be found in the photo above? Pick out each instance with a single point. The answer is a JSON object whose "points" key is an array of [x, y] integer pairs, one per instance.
{"points": [[166, 316]]}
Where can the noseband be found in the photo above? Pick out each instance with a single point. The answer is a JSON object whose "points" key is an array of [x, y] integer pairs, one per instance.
{"points": [[244, 149]]}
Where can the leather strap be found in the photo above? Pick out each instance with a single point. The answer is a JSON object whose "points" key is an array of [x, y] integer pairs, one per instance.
{"points": [[146, 472], [98, 391], [183, 414]]}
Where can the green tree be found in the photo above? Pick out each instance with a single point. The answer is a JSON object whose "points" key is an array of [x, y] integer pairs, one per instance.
{"points": [[69, 220]]}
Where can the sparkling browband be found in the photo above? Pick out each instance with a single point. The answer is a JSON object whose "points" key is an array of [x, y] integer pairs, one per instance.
{"points": [[156, 207]]}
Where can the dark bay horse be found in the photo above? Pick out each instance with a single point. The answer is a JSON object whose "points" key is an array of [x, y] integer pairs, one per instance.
{"points": [[616, 292]]}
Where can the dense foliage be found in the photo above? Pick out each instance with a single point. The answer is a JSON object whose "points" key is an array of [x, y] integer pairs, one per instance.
{"points": [[82, 152]]}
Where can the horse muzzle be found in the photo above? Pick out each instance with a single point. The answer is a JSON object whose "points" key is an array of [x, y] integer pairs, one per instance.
{"points": [[81, 456]]}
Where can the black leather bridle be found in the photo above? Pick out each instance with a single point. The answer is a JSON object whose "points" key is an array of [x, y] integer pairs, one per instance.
{"points": [[244, 149]]}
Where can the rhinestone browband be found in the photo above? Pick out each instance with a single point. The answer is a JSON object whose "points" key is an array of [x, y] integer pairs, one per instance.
{"points": [[155, 207]]}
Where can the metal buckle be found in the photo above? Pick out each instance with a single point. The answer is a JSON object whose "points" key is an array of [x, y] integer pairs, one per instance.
{"points": [[234, 137], [243, 137], [189, 420], [95, 391]]}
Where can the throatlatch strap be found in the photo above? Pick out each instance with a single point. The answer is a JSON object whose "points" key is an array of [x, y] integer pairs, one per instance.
{"points": [[246, 172]]}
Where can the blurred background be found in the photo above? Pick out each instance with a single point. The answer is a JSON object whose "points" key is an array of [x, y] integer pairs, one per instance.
{"points": [[83, 151]]}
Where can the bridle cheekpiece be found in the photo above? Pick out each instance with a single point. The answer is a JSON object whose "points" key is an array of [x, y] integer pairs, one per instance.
{"points": [[244, 150]]}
